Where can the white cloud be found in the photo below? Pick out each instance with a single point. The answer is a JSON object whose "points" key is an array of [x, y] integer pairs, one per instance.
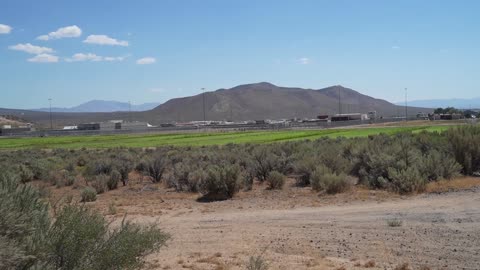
{"points": [[44, 58], [304, 60], [81, 57], [112, 59], [146, 61], [5, 29], [395, 47], [105, 40], [29, 48], [64, 32]]}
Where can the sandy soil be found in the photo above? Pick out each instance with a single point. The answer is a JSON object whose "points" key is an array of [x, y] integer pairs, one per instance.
{"points": [[298, 229]]}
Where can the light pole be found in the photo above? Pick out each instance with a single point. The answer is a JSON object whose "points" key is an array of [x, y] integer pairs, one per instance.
{"points": [[51, 120], [406, 107], [203, 96], [339, 102]]}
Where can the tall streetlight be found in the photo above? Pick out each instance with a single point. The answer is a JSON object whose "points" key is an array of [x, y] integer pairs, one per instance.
{"points": [[203, 96], [406, 107], [51, 119]]}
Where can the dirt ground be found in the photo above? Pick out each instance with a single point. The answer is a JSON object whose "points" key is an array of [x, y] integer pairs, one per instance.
{"points": [[296, 228]]}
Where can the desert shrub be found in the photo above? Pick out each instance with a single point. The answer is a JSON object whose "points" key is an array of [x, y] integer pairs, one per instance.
{"points": [[276, 180], [465, 146], [81, 162], [40, 168], [156, 167], [25, 174], [185, 176], [62, 178], [124, 165], [331, 155], [89, 194], [395, 222], [81, 239], [265, 160], [406, 180], [98, 166], [113, 179], [23, 223], [304, 168], [99, 183], [76, 238], [257, 263], [324, 179], [221, 182], [436, 166]]}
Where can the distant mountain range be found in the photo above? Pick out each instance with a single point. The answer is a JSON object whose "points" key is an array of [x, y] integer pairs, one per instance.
{"points": [[473, 103], [244, 102], [103, 106]]}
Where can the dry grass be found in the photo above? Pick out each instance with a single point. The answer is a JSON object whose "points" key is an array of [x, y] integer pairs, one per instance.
{"points": [[370, 264], [394, 222], [403, 266], [460, 183]]}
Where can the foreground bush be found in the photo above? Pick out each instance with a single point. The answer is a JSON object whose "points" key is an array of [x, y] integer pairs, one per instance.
{"points": [[81, 239], [24, 222], [77, 238]]}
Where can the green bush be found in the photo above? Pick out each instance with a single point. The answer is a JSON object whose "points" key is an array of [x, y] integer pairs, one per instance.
{"points": [[112, 182], [99, 183], [25, 174], [324, 179], [75, 238], [276, 180], [89, 194], [81, 239], [304, 168], [406, 180], [221, 182], [465, 145], [24, 221]]}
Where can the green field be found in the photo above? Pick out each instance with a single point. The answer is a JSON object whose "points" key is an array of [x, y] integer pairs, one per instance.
{"points": [[199, 138]]}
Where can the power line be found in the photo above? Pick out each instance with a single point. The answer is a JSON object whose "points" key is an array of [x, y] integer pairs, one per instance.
{"points": [[203, 95], [51, 119], [406, 105]]}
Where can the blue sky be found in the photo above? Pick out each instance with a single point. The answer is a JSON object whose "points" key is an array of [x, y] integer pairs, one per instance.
{"points": [[376, 47]]}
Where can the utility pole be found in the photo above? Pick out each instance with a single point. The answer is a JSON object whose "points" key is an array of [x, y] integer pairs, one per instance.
{"points": [[51, 119], [129, 111], [406, 105], [203, 96], [339, 102]]}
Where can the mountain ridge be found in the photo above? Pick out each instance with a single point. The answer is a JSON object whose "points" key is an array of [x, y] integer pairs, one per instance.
{"points": [[97, 105], [255, 101]]}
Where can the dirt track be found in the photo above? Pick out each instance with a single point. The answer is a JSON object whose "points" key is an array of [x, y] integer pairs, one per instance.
{"points": [[297, 229], [438, 231]]}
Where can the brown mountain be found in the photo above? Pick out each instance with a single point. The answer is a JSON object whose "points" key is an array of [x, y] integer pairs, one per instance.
{"points": [[244, 102], [268, 101]]}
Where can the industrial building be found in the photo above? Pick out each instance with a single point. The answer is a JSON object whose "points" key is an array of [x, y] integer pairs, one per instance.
{"points": [[114, 125], [348, 117]]}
